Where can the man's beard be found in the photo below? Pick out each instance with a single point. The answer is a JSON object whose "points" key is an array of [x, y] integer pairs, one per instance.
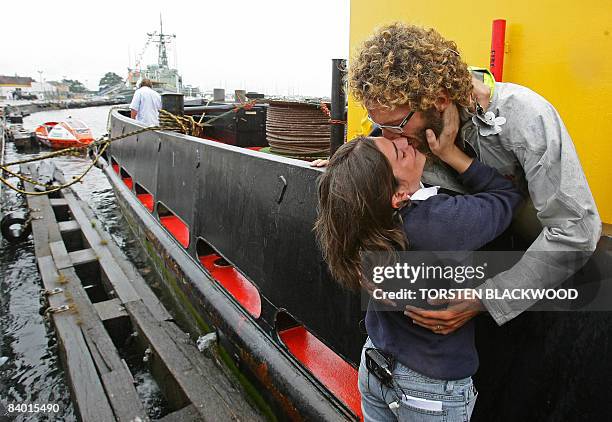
{"points": [[433, 121]]}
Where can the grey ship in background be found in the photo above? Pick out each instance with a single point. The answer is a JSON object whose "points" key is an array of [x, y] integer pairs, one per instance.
{"points": [[164, 78]]}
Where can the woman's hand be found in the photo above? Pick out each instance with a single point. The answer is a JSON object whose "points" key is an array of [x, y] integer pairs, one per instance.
{"points": [[320, 162], [444, 147]]}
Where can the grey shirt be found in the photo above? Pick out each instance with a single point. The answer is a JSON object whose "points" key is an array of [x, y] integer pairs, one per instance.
{"points": [[533, 148]]}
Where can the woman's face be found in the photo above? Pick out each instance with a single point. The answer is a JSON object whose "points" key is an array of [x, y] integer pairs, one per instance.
{"points": [[407, 164]]}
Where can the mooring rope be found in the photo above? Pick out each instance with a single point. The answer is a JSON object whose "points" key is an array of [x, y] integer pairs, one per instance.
{"points": [[167, 121], [326, 111]]}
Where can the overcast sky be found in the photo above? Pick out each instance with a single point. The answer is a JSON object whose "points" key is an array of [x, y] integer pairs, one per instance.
{"points": [[271, 46]]}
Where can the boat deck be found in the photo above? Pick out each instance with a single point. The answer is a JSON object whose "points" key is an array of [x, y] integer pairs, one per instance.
{"points": [[98, 302]]}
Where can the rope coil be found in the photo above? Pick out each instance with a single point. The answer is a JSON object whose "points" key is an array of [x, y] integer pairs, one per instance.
{"points": [[167, 121]]}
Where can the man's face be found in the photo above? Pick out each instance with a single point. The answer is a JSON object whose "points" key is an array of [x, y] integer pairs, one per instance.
{"points": [[407, 163], [414, 131]]}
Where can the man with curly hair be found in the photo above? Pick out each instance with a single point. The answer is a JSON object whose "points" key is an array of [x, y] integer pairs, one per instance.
{"points": [[406, 76]]}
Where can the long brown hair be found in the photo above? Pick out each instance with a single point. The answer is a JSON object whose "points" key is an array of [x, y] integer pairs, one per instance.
{"points": [[355, 212]]}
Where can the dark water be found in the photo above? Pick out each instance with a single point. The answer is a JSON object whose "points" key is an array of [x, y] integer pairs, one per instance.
{"points": [[33, 372]]}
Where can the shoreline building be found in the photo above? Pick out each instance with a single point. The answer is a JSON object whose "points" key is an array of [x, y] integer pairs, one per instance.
{"points": [[14, 87]]}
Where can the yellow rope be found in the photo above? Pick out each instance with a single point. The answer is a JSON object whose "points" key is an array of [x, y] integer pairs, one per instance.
{"points": [[168, 121], [60, 187]]}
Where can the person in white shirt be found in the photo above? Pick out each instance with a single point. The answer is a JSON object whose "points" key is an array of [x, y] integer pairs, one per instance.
{"points": [[146, 104]]}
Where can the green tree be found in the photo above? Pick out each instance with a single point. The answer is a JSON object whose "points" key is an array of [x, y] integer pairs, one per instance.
{"points": [[109, 79], [74, 85]]}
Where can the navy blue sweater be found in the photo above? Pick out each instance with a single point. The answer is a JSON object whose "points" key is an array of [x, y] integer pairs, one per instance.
{"points": [[446, 223]]}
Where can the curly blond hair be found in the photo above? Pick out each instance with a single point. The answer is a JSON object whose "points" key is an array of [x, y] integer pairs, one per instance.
{"points": [[408, 65]]}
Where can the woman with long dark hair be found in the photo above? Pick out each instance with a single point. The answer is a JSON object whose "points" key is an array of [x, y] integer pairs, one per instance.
{"points": [[367, 184]]}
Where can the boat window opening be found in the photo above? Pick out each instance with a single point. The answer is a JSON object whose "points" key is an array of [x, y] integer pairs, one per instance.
{"points": [[90, 273], [234, 282], [115, 165], [339, 376], [203, 248], [144, 197], [127, 179], [175, 226], [284, 321]]}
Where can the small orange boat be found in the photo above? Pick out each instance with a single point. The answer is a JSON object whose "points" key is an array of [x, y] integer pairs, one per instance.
{"points": [[66, 134]]}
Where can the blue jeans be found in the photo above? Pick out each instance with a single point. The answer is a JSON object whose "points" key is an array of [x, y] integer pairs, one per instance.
{"points": [[414, 397]]}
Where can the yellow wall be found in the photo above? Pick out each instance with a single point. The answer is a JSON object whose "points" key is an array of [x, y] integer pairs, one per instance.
{"points": [[561, 49]]}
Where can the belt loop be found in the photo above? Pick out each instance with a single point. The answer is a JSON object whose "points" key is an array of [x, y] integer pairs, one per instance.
{"points": [[449, 386]]}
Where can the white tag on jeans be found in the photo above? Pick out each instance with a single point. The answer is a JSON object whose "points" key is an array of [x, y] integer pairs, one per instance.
{"points": [[424, 404]]}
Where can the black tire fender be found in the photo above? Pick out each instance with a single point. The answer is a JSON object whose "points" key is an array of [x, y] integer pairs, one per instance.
{"points": [[15, 226]]}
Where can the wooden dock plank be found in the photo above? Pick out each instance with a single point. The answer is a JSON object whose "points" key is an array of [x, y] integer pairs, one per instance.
{"points": [[136, 280], [110, 309], [195, 377], [43, 230], [87, 390], [68, 226], [210, 405], [119, 386], [215, 376], [186, 414], [57, 202], [123, 289], [124, 399], [97, 375], [82, 256], [60, 255]]}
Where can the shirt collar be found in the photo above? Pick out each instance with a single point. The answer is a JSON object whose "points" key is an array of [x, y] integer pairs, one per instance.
{"points": [[424, 193]]}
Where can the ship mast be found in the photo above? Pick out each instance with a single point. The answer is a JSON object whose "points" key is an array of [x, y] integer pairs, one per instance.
{"points": [[161, 39]]}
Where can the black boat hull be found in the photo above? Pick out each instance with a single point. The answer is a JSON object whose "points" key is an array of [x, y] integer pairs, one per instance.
{"points": [[257, 211]]}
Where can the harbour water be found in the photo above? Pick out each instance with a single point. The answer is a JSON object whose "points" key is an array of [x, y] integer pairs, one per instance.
{"points": [[33, 373]]}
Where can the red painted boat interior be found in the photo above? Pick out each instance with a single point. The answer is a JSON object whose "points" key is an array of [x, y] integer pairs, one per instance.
{"points": [[329, 368], [177, 228], [116, 168], [128, 182], [146, 199], [235, 283]]}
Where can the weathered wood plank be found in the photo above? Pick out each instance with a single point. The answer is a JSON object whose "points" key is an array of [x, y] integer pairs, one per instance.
{"points": [[68, 226], [57, 202], [186, 414], [42, 228], [210, 405], [60, 255], [210, 371], [136, 280], [115, 275], [101, 383], [110, 309], [87, 390], [82, 256], [119, 386], [123, 399]]}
